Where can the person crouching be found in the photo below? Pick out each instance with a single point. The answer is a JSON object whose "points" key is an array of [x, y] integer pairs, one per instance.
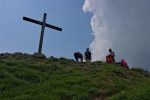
{"points": [[77, 56], [111, 57]]}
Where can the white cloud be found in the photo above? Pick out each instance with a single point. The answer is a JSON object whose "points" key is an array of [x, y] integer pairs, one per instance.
{"points": [[122, 25], [101, 41]]}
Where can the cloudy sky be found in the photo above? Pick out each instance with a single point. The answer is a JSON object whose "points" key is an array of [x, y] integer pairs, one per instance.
{"points": [[122, 25]]}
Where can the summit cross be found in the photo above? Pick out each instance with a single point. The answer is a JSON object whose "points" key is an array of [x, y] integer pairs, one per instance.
{"points": [[43, 25]]}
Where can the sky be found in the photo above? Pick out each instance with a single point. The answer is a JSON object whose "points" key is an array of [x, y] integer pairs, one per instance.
{"points": [[17, 35], [122, 25]]}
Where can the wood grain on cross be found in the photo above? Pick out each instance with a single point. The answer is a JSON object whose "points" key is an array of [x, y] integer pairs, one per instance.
{"points": [[43, 24]]}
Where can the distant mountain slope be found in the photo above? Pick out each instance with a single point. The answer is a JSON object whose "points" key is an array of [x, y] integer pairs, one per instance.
{"points": [[34, 77]]}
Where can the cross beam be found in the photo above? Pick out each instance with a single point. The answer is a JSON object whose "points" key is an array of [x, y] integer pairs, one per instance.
{"points": [[43, 24], [40, 23]]}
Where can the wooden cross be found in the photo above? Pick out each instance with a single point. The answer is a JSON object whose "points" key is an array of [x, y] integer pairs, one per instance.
{"points": [[43, 24]]}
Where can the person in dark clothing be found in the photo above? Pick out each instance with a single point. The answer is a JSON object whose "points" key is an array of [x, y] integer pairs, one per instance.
{"points": [[87, 55], [77, 56]]}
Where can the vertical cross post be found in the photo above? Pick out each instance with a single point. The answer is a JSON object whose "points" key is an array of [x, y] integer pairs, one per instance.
{"points": [[42, 33]]}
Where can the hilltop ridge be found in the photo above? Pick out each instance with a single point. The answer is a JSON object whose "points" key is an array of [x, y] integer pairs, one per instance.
{"points": [[35, 77]]}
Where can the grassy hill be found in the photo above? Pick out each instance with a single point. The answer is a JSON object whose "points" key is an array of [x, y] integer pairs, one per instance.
{"points": [[32, 77]]}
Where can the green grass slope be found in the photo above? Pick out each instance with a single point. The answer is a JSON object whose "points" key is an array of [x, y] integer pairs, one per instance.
{"points": [[25, 77]]}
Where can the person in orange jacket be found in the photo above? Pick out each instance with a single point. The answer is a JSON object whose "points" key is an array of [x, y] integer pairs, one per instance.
{"points": [[111, 57]]}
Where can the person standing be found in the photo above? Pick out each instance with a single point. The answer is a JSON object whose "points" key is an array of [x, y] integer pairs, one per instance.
{"points": [[87, 55]]}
